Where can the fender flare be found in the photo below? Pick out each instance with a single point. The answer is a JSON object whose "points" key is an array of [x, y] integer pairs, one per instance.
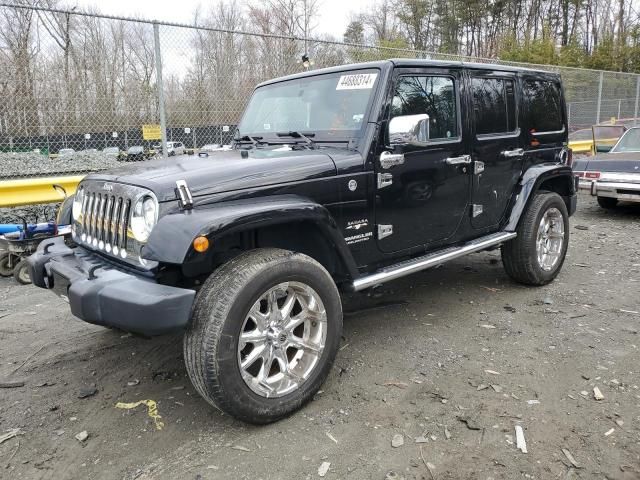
{"points": [[63, 215], [530, 183], [172, 238]]}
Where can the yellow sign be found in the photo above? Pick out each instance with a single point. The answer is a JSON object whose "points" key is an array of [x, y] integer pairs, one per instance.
{"points": [[151, 132]]}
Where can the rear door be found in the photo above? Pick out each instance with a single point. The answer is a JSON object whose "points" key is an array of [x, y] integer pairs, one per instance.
{"points": [[497, 145]]}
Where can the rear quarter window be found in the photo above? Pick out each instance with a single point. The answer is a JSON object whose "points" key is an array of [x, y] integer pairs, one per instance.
{"points": [[544, 105], [494, 105]]}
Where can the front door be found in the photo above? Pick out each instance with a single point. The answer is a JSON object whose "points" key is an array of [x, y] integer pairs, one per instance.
{"points": [[497, 145], [423, 189]]}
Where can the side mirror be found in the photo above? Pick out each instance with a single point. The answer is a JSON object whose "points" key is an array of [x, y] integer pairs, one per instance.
{"points": [[409, 130]]}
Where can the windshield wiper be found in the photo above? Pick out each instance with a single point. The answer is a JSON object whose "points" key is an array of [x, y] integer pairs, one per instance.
{"points": [[255, 141], [304, 136]]}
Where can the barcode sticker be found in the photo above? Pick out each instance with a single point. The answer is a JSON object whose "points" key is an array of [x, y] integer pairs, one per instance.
{"points": [[361, 81]]}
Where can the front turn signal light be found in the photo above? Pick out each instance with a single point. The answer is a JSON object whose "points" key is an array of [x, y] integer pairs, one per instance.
{"points": [[201, 244]]}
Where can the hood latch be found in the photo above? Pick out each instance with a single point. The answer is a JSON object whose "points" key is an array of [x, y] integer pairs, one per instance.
{"points": [[184, 195]]}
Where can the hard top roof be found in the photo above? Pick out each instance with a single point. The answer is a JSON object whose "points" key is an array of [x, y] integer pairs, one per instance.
{"points": [[411, 63]]}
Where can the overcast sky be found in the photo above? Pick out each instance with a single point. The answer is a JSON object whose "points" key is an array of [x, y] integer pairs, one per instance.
{"points": [[333, 19]]}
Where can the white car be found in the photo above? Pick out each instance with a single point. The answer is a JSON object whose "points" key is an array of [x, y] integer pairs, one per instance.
{"points": [[214, 147], [173, 148]]}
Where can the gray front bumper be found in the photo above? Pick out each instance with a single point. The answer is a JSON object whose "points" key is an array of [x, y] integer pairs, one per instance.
{"points": [[100, 293]]}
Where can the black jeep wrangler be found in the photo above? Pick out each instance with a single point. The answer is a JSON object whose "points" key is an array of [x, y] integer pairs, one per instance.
{"points": [[339, 180]]}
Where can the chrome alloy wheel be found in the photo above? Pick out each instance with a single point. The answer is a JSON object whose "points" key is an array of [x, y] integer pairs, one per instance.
{"points": [[550, 240], [282, 339]]}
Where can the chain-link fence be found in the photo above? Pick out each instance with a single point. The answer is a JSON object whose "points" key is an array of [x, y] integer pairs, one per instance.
{"points": [[78, 91]]}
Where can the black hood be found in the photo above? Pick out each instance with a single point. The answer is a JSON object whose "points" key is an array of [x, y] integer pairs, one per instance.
{"points": [[609, 162], [223, 171]]}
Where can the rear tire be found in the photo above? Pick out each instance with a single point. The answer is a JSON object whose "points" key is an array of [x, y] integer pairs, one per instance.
{"points": [[608, 203], [5, 269], [537, 254], [21, 272], [242, 350]]}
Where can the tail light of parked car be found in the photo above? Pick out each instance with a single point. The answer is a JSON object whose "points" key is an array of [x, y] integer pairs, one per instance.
{"points": [[588, 175]]}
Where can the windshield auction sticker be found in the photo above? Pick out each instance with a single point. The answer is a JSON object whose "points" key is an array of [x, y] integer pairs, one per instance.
{"points": [[361, 81]]}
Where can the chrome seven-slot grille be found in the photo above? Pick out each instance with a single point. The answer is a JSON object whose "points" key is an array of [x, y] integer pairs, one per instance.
{"points": [[104, 220]]}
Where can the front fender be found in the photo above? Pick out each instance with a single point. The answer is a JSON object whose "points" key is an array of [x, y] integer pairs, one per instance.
{"points": [[171, 239], [530, 183]]}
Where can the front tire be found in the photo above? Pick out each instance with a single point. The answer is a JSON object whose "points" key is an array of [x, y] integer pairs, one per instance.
{"points": [[537, 254], [608, 203], [21, 272], [264, 333]]}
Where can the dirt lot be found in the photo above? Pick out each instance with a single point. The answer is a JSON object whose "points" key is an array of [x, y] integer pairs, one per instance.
{"points": [[449, 361]]}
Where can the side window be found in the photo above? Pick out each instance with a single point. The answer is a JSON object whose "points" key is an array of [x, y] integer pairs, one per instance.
{"points": [[434, 96], [544, 105], [494, 105]]}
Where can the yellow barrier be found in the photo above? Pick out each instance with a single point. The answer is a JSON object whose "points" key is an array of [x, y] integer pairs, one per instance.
{"points": [[31, 191], [581, 146]]}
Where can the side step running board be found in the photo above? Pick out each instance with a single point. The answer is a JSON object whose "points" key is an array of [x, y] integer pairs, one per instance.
{"points": [[430, 260]]}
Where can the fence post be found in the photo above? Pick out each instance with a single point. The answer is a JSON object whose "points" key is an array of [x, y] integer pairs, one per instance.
{"points": [[599, 98], [159, 87], [569, 114], [635, 112], [619, 108]]}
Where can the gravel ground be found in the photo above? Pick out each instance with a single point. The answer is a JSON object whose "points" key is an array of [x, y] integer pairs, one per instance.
{"points": [[31, 164], [444, 364]]}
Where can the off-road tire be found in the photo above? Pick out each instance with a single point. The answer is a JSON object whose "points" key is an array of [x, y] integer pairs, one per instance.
{"points": [[5, 270], [519, 255], [222, 304], [21, 272], [608, 203]]}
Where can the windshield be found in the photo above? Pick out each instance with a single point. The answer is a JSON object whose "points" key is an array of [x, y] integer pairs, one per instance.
{"points": [[329, 105], [629, 142]]}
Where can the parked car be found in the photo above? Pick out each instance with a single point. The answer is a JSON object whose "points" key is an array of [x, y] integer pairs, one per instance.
{"points": [[173, 148], [135, 154], [247, 251], [205, 150], [614, 174], [111, 151], [66, 151], [210, 147], [581, 141]]}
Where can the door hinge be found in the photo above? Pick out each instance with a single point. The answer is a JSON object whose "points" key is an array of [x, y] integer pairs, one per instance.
{"points": [[384, 231], [384, 180], [476, 210], [478, 167]]}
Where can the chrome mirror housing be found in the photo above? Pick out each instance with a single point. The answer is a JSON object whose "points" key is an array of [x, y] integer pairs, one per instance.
{"points": [[409, 130]]}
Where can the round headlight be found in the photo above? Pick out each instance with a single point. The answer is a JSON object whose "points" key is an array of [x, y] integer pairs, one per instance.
{"points": [[76, 208], [143, 218]]}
